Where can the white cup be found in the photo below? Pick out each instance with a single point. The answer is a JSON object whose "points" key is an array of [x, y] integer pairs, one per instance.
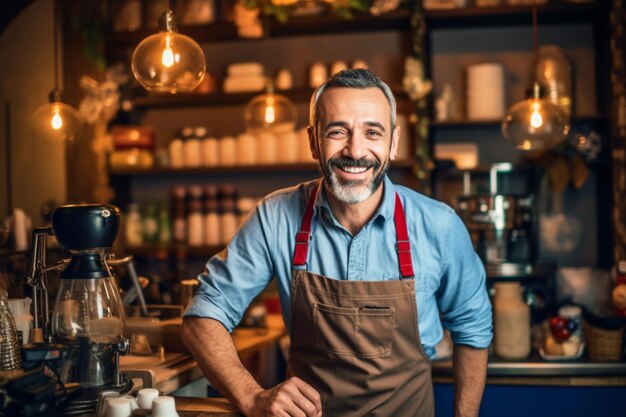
{"points": [[146, 396], [164, 407], [118, 407]]}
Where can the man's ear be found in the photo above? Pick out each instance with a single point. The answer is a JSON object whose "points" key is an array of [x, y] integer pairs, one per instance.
{"points": [[395, 139], [313, 142]]}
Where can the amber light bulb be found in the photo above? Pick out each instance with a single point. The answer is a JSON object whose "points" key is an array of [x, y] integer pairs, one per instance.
{"points": [[56, 121], [535, 123], [168, 61]]}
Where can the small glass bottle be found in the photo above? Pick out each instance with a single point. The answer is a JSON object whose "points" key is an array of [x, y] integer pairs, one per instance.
{"points": [[229, 218], [150, 223], [165, 228], [133, 229], [10, 347], [511, 321], [195, 235], [212, 233], [179, 219]]}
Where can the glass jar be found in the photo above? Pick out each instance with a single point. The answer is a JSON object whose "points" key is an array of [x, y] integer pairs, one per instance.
{"points": [[511, 321], [554, 73]]}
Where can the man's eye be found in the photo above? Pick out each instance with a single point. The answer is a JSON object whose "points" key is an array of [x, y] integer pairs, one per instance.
{"points": [[335, 134], [374, 134]]}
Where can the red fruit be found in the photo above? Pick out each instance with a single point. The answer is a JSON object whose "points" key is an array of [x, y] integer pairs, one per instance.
{"points": [[559, 328]]}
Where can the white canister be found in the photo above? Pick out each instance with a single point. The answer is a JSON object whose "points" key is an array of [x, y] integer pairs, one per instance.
{"points": [[287, 147], [176, 153], [317, 75], [304, 147], [485, 92], [228, 151], [210, 152], [284, 80], [511, 321], [266, 147], [247, 149], [20, 309], [192, 156]]}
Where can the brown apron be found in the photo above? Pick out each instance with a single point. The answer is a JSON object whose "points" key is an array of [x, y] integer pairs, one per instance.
{"points": [[356, 342]]}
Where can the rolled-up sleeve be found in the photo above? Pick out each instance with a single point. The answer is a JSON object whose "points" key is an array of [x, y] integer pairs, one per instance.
{"points": [[462, 296], [235, 276]]}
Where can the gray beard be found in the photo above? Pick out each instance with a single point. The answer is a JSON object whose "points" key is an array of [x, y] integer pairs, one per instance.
{"points": [[352, 192]]}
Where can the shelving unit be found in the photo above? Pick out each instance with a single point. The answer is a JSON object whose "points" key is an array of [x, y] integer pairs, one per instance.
{"points": [[297, 37]]}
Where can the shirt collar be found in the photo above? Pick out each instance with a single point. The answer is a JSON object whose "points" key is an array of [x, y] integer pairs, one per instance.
{"points": [[385, 210]]}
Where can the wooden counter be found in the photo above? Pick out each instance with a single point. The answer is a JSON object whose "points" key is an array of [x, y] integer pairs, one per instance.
{"points": [[173, 371]]}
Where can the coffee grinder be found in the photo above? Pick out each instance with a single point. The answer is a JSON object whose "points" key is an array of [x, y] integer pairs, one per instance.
{"points": [[87, 321]]}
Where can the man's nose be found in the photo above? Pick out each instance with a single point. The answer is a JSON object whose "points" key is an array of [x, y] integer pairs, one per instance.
{"points": [[355, 146]]}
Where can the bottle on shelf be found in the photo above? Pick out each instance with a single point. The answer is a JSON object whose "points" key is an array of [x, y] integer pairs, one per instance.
{"points": [[228, 151], [191, 146], [210, 152], [133, 227], [150, 223], [175, 151], [212, 233], [195, 234], [165, 228], [229, 218], [179, 214]]}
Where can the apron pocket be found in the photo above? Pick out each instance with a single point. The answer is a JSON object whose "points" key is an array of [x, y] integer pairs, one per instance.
{"points": [[364, 332]]}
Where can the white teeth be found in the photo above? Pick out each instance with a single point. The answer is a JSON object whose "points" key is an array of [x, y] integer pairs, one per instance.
{"points": [[354, 170]]}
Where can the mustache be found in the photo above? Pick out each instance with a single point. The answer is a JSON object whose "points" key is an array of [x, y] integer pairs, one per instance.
{"points": [[344, 162]]}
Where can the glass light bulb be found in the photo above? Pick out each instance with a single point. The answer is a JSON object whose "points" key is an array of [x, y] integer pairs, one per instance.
{"points": [[535, 124], [167, 59], [270, 110], [536, 120], [168, 62], [57, 122]]}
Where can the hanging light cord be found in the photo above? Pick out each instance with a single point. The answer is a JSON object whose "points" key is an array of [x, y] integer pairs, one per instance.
{"points": [[535, 34], [55, 42]]}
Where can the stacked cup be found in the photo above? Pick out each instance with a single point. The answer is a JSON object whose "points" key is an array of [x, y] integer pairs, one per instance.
{"points": [[485, 92]]}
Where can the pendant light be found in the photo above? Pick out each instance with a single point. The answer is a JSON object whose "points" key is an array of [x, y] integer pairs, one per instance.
{"points": [[535, 124], [168, 61], [270, 110], [56, 121]]}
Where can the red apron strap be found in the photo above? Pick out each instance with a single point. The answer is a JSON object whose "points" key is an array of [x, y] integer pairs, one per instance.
{"points": [[304, 235], [403, 245]]}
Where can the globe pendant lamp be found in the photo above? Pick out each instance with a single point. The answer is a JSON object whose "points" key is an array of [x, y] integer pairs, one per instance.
{"points": [[56, 121], [270, 110], [535, 124], [168, 61]]}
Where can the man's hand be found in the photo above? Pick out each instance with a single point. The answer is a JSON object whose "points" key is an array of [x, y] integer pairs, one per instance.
{"points": [[294, 397]]}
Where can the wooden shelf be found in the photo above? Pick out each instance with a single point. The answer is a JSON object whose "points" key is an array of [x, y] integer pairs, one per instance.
{"points": [[235, 169], [513, 15], [469, 124], [172, 248], [297, 95], [400, 19], [296, 26]]}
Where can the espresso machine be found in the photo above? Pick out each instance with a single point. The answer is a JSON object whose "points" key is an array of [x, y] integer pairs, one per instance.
{"points": [[84, 333], [502, 222]]}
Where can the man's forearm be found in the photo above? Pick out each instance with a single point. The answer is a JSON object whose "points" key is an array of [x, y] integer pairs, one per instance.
{"points": [[470, 374], [212, 347]]}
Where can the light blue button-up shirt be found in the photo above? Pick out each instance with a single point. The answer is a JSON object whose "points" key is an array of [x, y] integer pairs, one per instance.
{"points": [[449, 276]]}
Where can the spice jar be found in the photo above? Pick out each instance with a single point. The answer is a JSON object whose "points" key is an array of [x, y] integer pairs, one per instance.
{"points": [[191, 146], [229, 219], [511, 321]]}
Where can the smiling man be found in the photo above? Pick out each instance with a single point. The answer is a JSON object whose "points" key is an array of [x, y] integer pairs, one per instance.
{"points": [[368, 273]]}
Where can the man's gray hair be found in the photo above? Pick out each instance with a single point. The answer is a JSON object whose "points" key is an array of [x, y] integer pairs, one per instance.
{"points": [[352, 78]]}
